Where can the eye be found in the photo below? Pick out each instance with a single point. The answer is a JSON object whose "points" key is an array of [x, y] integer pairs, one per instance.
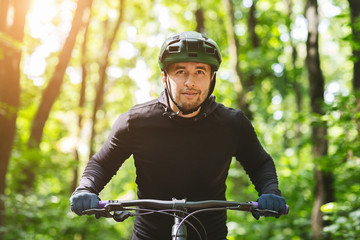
{"points": [[180, 72], [200, 72]]}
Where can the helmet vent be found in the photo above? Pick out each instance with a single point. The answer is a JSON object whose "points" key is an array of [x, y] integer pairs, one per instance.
{"points": [[210, 50], [173, 49], [193, 54]]}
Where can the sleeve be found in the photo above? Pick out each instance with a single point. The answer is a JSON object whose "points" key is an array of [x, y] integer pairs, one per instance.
{"points": [[257, 163], [105, 163]]}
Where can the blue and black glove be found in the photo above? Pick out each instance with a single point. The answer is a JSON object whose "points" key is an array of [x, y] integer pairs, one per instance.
{"points": [[83, 201], [271, 202]]}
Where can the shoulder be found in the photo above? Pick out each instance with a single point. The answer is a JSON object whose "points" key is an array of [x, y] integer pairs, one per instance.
{"points": [[146, 110], [144, 106], [231, 118], [138, 111], [229, 113]]}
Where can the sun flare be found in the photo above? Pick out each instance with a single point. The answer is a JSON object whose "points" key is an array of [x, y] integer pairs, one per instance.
{"points": [[50, 22]]}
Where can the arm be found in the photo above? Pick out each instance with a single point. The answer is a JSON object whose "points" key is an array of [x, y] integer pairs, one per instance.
{"points": [[257, 163], [265, 179], [261, 169]]}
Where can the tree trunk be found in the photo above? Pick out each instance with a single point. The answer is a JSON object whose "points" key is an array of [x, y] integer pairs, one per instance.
{"points": [[355, 19], [9, 87], [255, 42], [103, 65], [323, 177], [52, 90], [355, 16], [295, 83], [4, 6]]}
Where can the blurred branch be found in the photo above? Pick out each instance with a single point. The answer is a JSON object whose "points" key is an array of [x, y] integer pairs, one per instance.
{"points": [[242, 84], [53, 89], [103, 62], [82, 99], [200, 25]]}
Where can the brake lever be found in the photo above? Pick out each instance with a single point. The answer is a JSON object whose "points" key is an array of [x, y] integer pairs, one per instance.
{"points": [[266, 212], [97, 212], [120, 216], [253, 207]]}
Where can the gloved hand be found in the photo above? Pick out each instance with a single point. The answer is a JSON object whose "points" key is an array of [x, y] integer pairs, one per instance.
{"points": [[271, 202], [82, 201]]}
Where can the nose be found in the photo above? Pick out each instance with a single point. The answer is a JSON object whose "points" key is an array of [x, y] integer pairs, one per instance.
{"points": [[190, 81]]}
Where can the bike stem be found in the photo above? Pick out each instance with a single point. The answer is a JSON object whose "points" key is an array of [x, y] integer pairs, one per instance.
{"points": [[179, 232]]}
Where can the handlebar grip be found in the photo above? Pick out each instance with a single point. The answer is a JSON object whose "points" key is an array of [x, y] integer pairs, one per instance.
{"points": [[102, 204], [286, 212]]}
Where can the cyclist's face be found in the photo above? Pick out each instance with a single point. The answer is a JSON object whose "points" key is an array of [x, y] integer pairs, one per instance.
{"points": [[189, 83]]}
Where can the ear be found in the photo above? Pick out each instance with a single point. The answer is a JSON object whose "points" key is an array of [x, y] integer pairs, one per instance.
{"points": [[163, 79], [213, 76]]}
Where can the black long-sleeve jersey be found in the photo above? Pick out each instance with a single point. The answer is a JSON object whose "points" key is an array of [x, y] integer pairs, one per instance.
{"points": [[179, 158]]}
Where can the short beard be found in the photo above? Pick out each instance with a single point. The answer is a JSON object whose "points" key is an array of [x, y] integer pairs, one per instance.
{"points": [[192, 107]]}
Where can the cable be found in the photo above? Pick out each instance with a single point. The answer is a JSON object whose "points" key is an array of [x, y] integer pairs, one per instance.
{"points": [[166, 212], [198, 211]]}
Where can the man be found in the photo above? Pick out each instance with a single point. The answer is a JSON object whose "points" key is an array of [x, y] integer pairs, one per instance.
{"points": [[182, 144]]}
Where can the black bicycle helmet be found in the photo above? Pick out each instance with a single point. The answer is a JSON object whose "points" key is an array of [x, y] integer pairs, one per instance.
{"points": [[189, 47]]}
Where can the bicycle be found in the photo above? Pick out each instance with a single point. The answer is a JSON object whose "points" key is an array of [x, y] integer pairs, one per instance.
{"points": [[179, 209]]}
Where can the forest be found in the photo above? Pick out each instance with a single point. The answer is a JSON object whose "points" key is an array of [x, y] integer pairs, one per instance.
{"points": [[69, 68]]}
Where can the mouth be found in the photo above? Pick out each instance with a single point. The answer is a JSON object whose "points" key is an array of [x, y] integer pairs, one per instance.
{"points": [[189, 93]]}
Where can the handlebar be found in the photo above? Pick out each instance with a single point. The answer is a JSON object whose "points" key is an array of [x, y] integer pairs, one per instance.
{"points": [[183, 204], [178, 209]]}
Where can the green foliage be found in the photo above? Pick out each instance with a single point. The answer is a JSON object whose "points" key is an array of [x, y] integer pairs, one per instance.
{"points": [[48, 216], [279, 101], [344, 214]]}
